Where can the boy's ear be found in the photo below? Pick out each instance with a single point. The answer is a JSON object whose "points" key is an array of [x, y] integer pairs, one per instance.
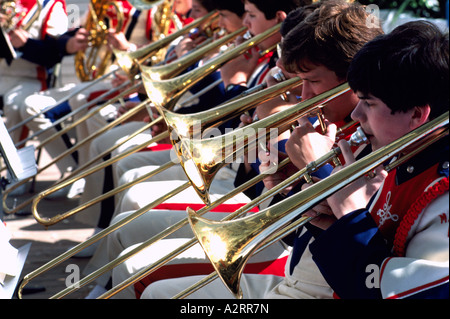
{"points": [[420, 115]]}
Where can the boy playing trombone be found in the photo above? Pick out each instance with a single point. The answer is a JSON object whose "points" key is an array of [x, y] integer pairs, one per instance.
{"points": [[393, 244]]}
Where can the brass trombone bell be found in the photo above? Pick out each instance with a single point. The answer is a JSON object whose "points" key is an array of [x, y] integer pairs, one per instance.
{"points": [[201, 159], [230, 244], [129, 61]]}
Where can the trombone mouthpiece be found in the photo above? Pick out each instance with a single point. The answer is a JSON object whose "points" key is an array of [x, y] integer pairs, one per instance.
{"points": [[358, 138], [247, 35], [279, 76]]}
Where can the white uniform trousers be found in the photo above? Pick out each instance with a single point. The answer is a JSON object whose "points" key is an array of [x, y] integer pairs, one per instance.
{"points": [[193, 261], [138, 164], [93, 124], [14, 91], [94, 182], [136, 197], [33, 105], [306, 282], [254, 286]]}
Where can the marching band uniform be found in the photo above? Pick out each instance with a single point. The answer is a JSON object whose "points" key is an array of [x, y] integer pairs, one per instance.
{"points": [[404, 237], [28, 73]]}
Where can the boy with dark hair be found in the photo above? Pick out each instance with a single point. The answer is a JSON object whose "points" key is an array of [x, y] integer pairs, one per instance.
{"points": [[393, 244]]}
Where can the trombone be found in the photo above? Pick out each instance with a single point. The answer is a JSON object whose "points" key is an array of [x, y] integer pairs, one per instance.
{"points": [[239, 239]]}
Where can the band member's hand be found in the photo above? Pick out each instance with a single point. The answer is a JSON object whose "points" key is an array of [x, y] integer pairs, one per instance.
{"points": [[125, 108], [79, 42], [118, 40], [245, 120], [321, 213], [306, 144], [18, 38], [118, 79], [357, 194], [160, 127], [3, 19], [272, 178], [139, 116], [187, 45]]}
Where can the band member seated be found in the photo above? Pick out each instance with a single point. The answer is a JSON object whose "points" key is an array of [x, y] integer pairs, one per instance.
{"points": [[393, 244], [29, 72], [316, 33]]}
